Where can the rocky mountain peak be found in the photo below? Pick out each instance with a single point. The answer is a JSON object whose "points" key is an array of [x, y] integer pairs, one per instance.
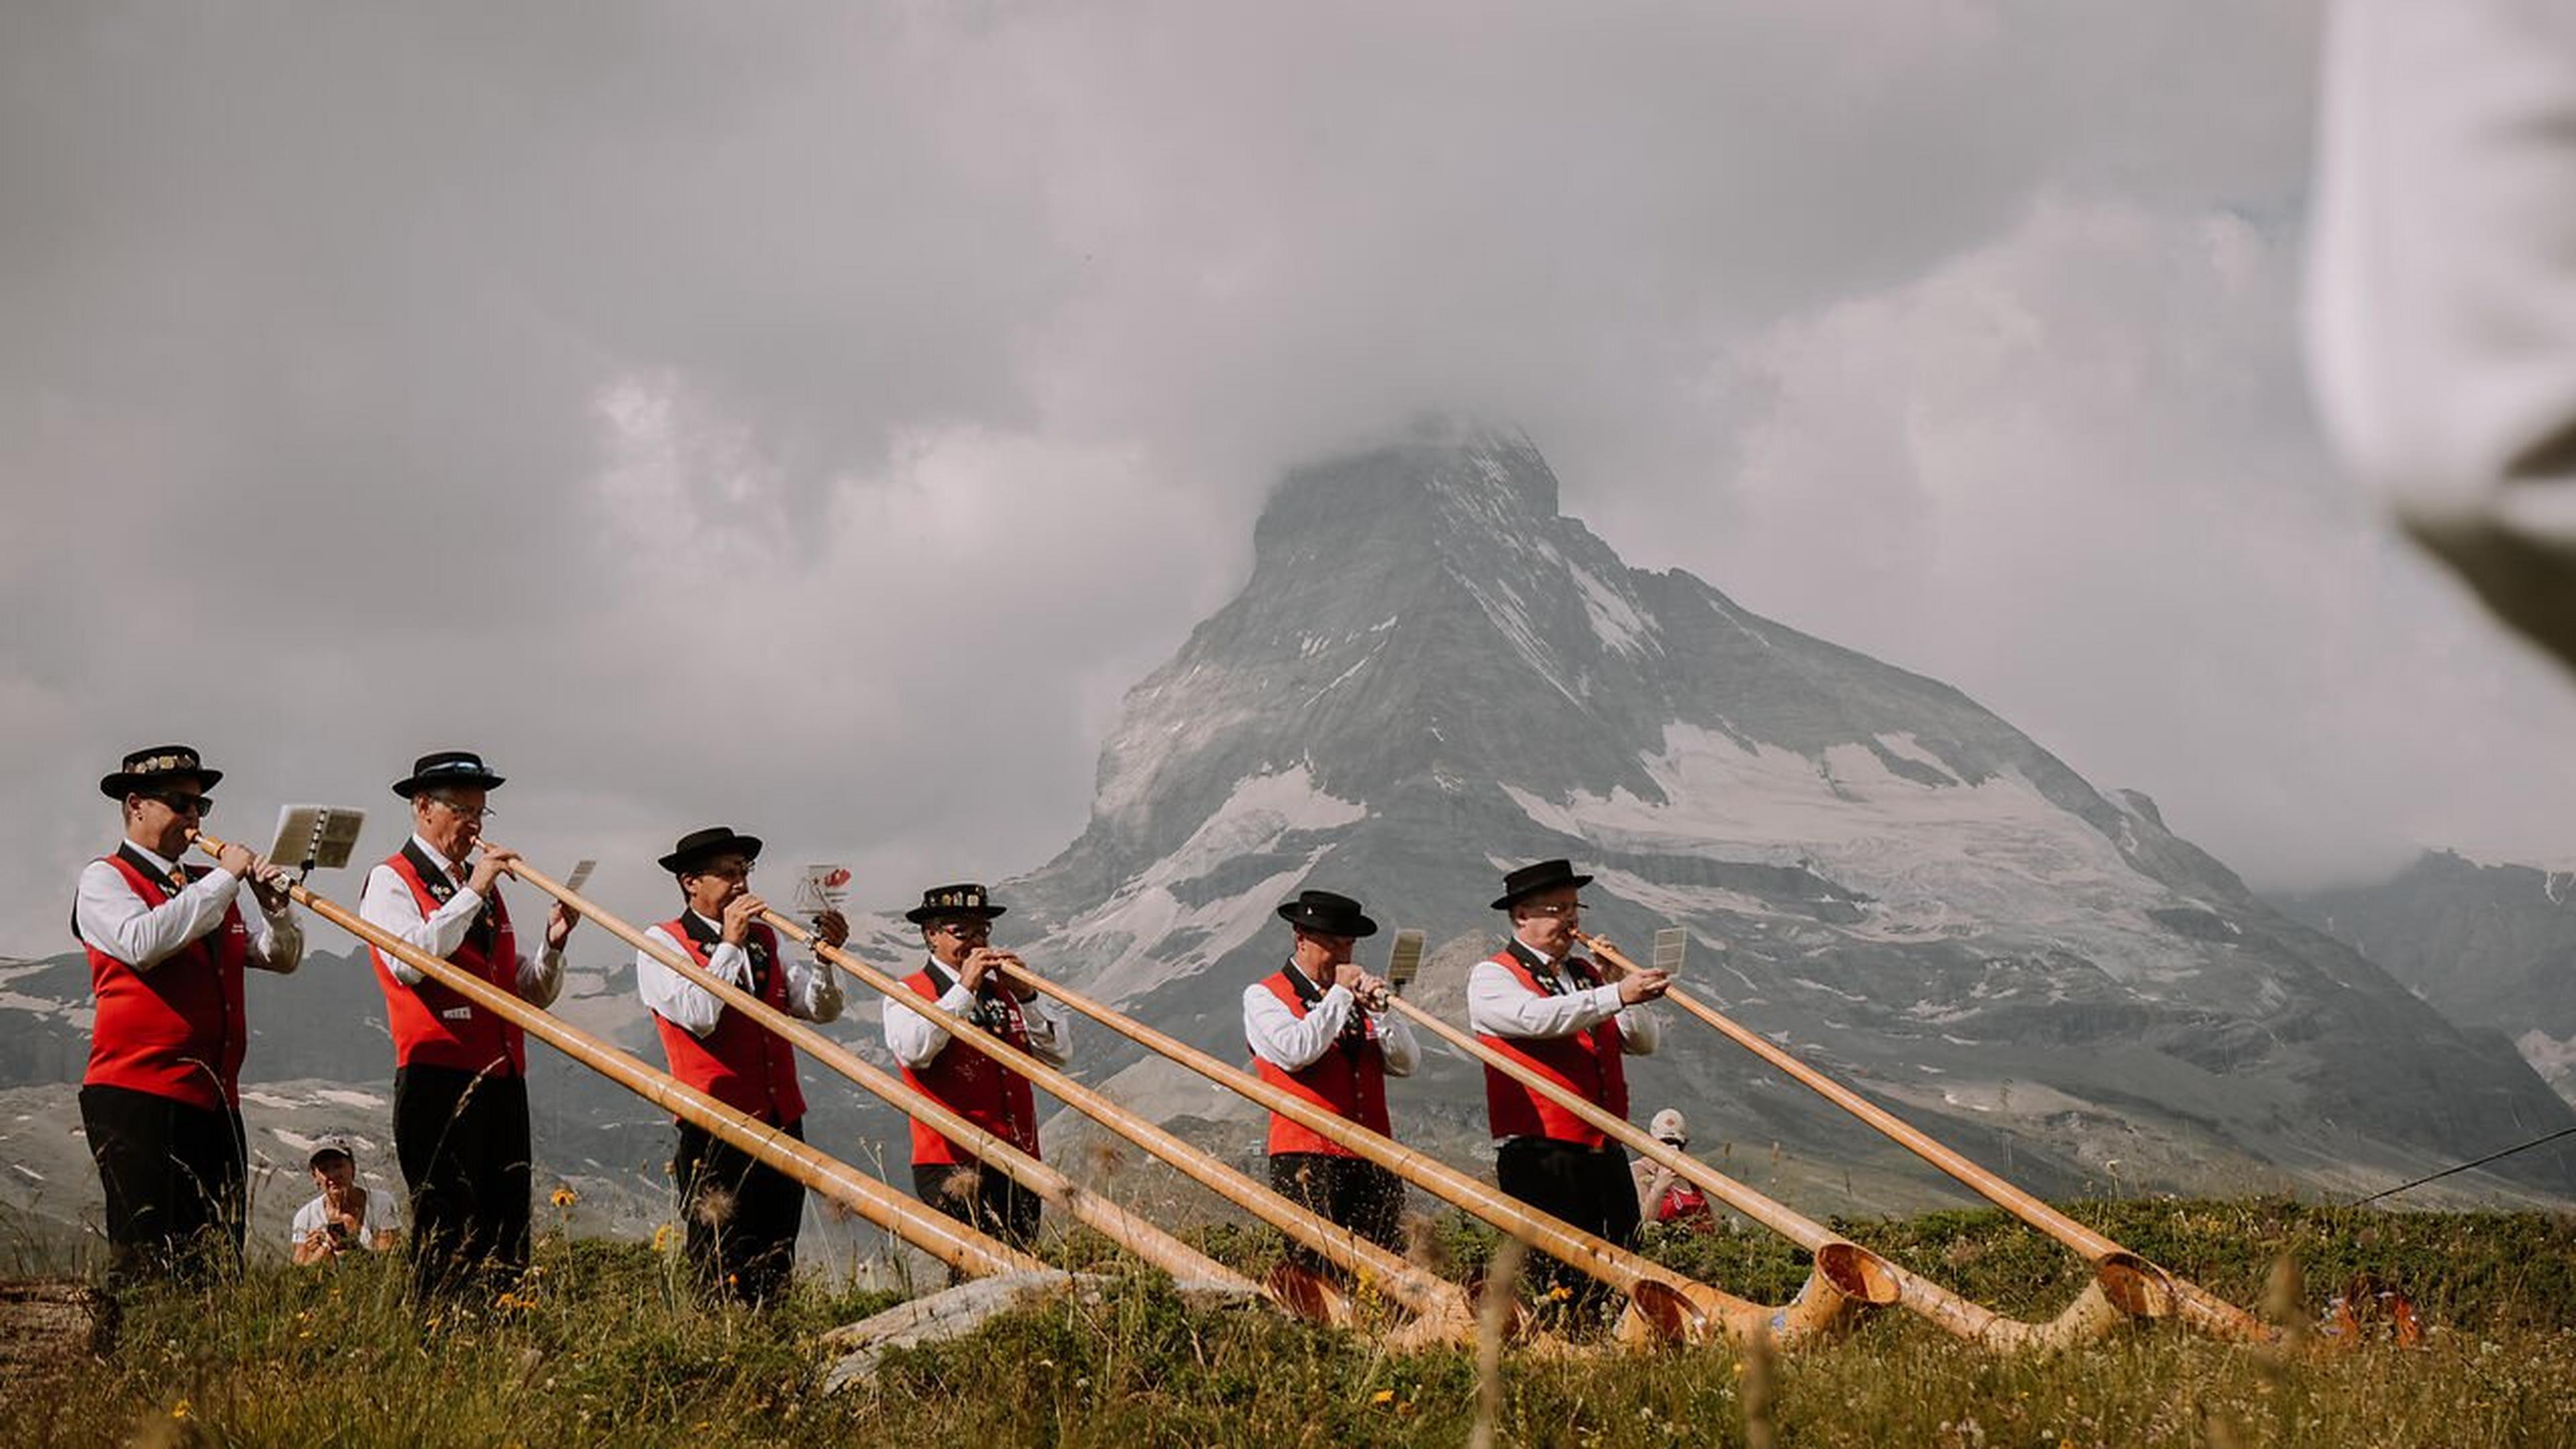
{"points": [[1431, 674], [1444, 482]]}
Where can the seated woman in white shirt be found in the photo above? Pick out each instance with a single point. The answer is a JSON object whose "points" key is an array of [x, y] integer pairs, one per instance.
{"points": [[346, 1216]]}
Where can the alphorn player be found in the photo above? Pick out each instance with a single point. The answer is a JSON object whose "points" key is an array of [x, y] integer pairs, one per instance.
{"points": [[739, 1217], [161, 1100], [460, 1073], [963, 977], [1311, 1032], [1561, 1014]]}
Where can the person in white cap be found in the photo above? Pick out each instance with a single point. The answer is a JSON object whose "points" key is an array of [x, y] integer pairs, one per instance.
{"points": [[1662, 1195], [346, 1215]]}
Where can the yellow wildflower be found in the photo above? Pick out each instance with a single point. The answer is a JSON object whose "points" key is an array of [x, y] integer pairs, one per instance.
{"points": [[565, 1197]]}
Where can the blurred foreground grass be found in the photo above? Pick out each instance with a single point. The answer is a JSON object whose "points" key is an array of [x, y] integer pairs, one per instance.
{"points": [[601, 1345]]}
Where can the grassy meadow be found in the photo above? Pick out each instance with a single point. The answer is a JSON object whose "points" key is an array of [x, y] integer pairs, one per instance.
{"points": [[603, 1345]]}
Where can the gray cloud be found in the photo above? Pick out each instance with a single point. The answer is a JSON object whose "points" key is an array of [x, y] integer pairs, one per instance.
{"points": [[814, 417]]}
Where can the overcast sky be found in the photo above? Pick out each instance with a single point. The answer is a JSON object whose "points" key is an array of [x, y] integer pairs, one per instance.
{"points": [[814, 417]]}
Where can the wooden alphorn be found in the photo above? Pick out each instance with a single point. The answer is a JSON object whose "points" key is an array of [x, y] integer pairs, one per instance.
{"points": [[2096, 1311], [1442, 1311], [1665, 1304], [2195, 1305], [942, 1237], [1190, 1268]]}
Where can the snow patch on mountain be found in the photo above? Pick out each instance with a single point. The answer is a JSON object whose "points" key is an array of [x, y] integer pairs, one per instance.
{"points": [[1674, 902], [1615, 620], [1345, 677], [1151, 935], [1503, 606], [2555, 1060], [1160, 941], [1905, 746], [1934, 860], [1256, 815]]}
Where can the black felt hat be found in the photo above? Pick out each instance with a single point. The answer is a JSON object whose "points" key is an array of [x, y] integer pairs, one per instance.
{"points": [[1529, 880], [462, 769], [965, 899], [700, 846], [144, 769], [1326, 914]]}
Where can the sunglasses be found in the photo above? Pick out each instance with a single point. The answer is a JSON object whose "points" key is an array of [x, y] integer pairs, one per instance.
{"points": [[966, 930], [197, 805]]}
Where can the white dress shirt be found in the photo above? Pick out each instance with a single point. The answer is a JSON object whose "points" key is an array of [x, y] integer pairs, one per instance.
{"points": [[384, 1215], [916, 1043], [812, 992], [1290, 1042], [1497, 1005], [113, 919], [388, 905]]}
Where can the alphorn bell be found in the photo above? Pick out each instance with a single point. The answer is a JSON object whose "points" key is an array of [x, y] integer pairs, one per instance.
{"points": [[1190, 1268], [2196, 1305], [2096, 1311], [1664, 1303], [943, 1238], [1442, 1312]]}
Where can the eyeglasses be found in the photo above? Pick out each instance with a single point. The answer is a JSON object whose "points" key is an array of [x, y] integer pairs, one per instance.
{"points": [[197, 805], [465, 812], [1558, 911], [967, 930], [728, 873]]}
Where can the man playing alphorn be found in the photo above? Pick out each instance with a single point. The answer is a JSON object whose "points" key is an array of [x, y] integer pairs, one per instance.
{"points": [[739, 1217], [161, 1100], [964, 978], [1312, 1033], [460, 1073], [1536, 1001]]}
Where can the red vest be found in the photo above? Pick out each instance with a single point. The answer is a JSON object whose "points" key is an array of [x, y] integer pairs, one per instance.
{"points": [[971, 1084], [176, 1030], [1684, 1201], [1348, 1080], [1586, 1063], [741, 1063], [436, 1027]]}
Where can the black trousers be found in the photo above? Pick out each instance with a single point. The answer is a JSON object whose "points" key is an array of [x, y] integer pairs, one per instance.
{"points": [[984, 1198], [1351, 1191], [1589, 1187], [463, 1141], [739, 1218], [173, 1177]]}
